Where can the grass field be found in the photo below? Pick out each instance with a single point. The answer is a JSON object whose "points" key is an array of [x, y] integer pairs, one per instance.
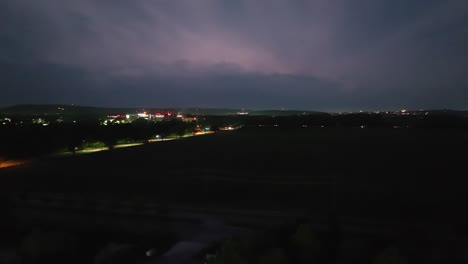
{"points": [[391, 173]]}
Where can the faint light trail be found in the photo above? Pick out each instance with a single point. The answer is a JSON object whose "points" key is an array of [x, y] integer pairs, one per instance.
{"points": [[11, 163]]}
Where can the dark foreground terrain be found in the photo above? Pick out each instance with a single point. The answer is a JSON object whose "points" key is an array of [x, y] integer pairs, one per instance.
{"points": [[413, 178], [370, 170]]}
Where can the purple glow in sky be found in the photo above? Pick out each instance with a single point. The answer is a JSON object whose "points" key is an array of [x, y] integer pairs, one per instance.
{"points": [[318, 55]]}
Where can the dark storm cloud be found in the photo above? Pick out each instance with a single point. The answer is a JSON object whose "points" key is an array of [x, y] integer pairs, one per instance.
{"points": [[325, 55]]}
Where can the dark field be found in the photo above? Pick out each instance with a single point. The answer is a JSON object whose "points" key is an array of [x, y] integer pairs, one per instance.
{"points": [[383, 173]]}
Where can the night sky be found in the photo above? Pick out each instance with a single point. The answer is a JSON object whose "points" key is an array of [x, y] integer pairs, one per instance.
{"points": [[328, 55]]}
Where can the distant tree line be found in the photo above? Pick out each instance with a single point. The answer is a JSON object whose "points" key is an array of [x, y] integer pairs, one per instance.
{"points": [[296, 244], [345, 120], [20, 138], [32, 140]]}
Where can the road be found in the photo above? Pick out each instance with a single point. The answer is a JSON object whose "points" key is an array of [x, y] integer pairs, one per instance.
{"points": [[13, 163]]}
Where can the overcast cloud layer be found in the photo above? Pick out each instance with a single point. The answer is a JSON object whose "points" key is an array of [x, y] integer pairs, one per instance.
{"points": [[316, 55]]}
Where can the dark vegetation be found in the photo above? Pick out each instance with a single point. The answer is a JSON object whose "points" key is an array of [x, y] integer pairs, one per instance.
{"points": [[35, 140], [73, 111], [47, 244], [81, 127], [298, 243], [393, 172], [403, 169]]}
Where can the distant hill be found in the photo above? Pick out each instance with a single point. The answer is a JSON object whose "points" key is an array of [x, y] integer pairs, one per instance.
{"points": [[208, 111], [40, 110], [227, 111], [448, 112], [72, 110], [59, 109], [283, 113]]}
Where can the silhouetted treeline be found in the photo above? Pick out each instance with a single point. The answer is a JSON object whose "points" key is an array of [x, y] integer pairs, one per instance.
{"points": [[20, 138], [32, 140], [346, 120]]}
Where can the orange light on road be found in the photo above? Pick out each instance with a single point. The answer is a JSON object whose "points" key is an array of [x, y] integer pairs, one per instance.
{"points": [[11, 163]]}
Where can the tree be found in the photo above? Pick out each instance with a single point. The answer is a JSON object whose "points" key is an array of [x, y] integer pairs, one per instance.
{"points": [[93, 144], [228, 254], [163, 129], [305, 245], [109, 135], [6, 221], [142, 129], [180, 129], [48, 247], [73, 143], [110, 142], [390, 255], [274, 256]]}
